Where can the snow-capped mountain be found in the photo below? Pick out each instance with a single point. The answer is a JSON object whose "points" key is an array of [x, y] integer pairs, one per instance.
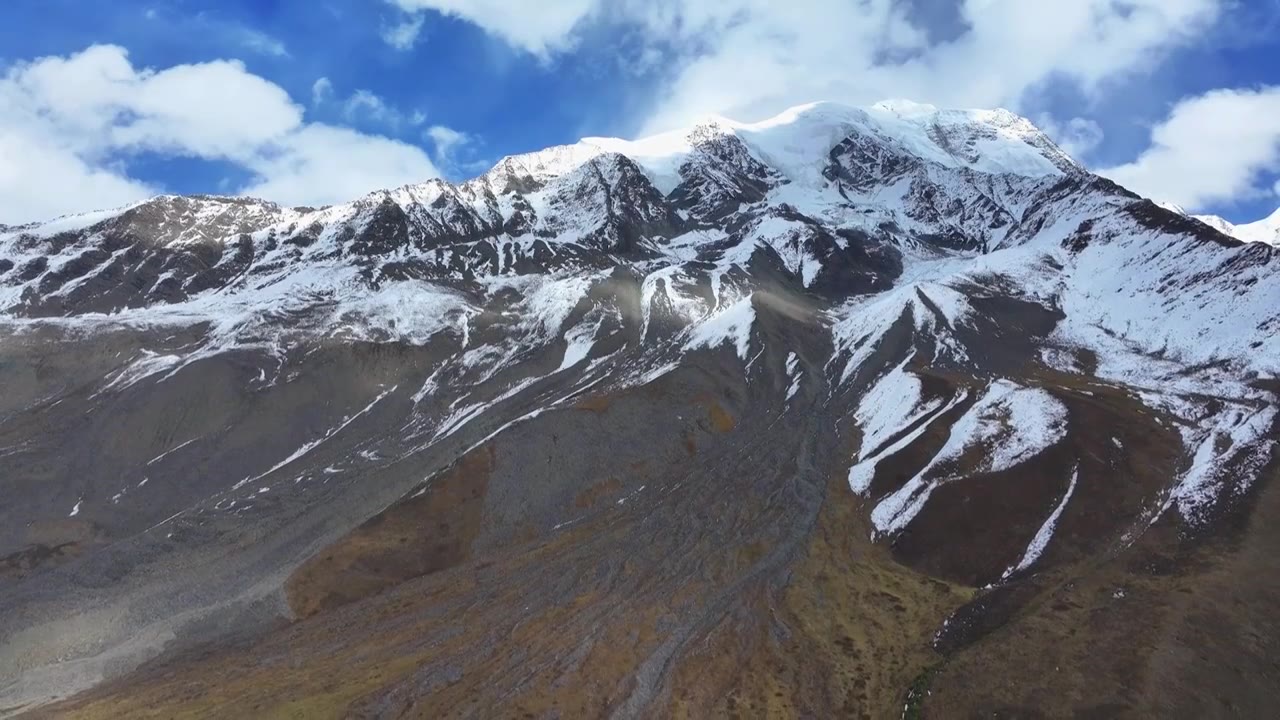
{"points": [[1266, 230], [677, 401]]}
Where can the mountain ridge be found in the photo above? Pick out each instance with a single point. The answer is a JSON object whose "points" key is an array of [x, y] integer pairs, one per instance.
{"points": [[556, 160], [1266, 230], [718, 376]]}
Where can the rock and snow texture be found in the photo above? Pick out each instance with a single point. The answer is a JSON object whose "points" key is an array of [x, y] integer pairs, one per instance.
{"points": [[885, 210], [1007, 426], [1228, 457], [891, 406], [933, 292], [1266, 230], [730, 325], [915, 233], [934, 310], [863, 471]]}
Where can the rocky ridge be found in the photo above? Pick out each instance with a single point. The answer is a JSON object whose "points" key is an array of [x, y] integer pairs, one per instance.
{"points": [[908, 351]]}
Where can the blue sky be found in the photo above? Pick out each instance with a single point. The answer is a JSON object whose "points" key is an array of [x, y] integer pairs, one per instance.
{"points": [[316, 101]]}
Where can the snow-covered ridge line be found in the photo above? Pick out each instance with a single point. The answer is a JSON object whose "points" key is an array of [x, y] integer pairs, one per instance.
{"points": [[1266, 230], [796, 141]]}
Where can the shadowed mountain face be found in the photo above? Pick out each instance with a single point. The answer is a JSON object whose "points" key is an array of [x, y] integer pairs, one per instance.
{"points": [[838, 414]]}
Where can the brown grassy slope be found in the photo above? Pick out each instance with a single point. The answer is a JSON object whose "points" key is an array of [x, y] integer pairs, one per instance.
{"points": [[417, 536], [1179, 625], [843, 637], [742, 583]]}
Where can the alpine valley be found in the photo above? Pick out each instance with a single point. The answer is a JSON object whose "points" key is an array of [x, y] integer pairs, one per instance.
{"points": [[879, 412]]}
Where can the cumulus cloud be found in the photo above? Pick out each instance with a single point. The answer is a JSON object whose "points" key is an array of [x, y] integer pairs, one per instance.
{"points": [[838, 50], [538, 27], [322, 164], [41, 179], [1212, 148], [68, 125], [752, 58]]}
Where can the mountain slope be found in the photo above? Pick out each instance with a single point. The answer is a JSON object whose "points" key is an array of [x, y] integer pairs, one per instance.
{"points": [[797, 416], [1266, 230]]}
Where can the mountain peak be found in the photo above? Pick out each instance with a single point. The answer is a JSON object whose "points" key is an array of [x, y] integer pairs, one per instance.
{"points": [[1266, 230], [797, 140], [903, 106], [626, 349]]}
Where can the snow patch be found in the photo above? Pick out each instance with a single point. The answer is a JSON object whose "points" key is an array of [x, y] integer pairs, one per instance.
{"points": [[1239, 435], [1010, 424], [863, 471], [731, 325], [579, 341], [793, 372], [1041, 540], [151, 363], [935, 311], [891, 405]]}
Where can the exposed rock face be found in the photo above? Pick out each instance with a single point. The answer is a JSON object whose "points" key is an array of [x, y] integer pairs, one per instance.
{"points": [[806, 417]]}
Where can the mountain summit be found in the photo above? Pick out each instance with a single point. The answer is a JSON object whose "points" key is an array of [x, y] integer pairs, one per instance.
{"points": [[833, 413], [1266, 230]]}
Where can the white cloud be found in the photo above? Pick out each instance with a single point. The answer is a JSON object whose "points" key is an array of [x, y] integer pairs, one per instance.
{"points": [[367, 106], [1212, 148], [537, 27], [208, 25], [321, 91], [447, 139], [404, 34], [322, 164], [364, 103], [214, 109], [772, 55], [67, 122], [41, 179], [752, 58], [454, 150], [1077, 137], [262, 43]]}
